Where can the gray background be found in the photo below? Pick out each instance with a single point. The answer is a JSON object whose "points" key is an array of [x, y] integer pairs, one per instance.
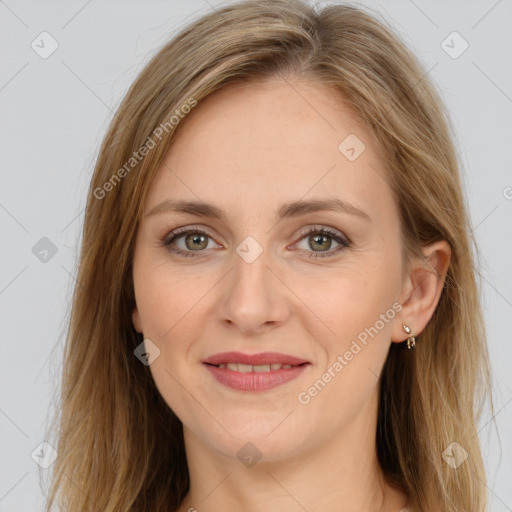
{"points": [[54, 113]]}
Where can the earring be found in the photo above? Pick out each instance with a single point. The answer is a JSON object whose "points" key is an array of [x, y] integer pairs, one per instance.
{"points": [[411, 340]]}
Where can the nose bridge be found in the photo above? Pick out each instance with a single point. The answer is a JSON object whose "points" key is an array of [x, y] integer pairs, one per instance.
{"points": [[252, 298]]}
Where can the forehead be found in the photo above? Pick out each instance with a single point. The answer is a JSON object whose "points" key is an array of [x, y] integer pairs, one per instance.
{"points": [[272, 142]]}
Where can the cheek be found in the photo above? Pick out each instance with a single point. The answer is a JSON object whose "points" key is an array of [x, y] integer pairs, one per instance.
{"points": [[170, 308], [358, 309], [353, 299], [357, 306], [166, 298], [171, 305]]}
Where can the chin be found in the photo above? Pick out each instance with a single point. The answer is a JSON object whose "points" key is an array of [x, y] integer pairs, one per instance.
{"points": [[255, 437]]}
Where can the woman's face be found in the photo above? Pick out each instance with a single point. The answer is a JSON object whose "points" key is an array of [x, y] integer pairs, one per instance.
{"points": [[264, 279]]}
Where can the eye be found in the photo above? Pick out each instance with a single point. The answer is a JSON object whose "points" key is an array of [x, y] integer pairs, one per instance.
{"points": [[194, 240], [320, 239]]}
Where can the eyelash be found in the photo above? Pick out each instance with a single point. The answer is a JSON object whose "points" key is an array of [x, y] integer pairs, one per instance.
{"points": [[178, 233]]}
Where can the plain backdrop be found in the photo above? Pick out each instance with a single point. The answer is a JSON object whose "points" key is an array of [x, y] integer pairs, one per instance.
{"points": [[54, 110]]}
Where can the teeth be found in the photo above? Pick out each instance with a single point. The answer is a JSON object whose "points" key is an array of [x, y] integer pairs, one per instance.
{"points": [[261, 368], [247, 368], [243, 368]]}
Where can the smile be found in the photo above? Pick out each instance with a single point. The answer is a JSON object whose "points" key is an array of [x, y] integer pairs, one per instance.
{"points": [[247, 368], [254, 378]]}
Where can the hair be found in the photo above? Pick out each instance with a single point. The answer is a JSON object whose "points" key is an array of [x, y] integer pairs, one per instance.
{"points": [[120, 446]]}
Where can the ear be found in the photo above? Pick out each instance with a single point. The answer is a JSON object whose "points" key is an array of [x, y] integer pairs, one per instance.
{"points": [[137, 324], [422, 289]]}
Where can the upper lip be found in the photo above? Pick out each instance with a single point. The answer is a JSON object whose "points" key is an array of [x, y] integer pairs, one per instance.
{"points": [[254, 359]]}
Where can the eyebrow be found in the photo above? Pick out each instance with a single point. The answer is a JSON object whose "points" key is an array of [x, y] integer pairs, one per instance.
{"points": [[287, 210]]}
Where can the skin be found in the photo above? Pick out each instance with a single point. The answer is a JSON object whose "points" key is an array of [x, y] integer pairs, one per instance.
{"points": [[248, 149]]}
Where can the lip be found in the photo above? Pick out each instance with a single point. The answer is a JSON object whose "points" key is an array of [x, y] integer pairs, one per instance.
{"points": [[255, 381], [254, 359]]}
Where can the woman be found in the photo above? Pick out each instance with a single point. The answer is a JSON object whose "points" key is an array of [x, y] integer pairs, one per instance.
{"points": [[277, 305]]}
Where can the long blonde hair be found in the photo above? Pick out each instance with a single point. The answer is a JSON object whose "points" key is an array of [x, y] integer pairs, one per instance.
{"points": [[120, 446]]}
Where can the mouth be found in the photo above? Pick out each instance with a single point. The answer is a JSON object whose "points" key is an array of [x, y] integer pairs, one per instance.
{"points": [[258, 361], [260, 368], [254, 372]]}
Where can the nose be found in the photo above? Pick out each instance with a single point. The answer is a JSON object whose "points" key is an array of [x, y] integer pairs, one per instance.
{"points": [[255, 297]]}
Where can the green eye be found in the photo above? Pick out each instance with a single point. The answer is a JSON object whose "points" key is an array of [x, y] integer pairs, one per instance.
{"points": [[318, 239]]}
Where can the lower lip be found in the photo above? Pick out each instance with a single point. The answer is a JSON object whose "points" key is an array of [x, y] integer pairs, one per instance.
{"points": [[255, 381]]}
